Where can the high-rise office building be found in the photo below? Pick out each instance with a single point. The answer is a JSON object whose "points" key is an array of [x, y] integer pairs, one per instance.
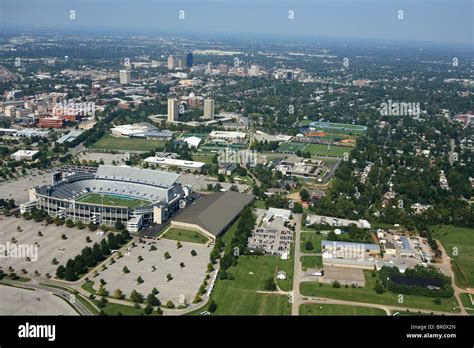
{"points": [[209, 109], [189, 60], [171, 62], [254, 70], [173, 110], [180, 63], [125, 77]]}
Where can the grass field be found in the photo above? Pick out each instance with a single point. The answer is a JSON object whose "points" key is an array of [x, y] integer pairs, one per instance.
{"points": [[315, 240], [286, 266], [291, 147], [205, 157], [113, 200], [108, 142], [311, 262], [331, 309], [315, 149], [336, 128], [240, 297], [367, 294], [461, 240], [466, 301], [185, 235]]}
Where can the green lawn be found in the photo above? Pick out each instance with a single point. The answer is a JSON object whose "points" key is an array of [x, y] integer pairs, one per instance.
{"points": [[461, 240], [331, 309], [108, 142], [367, 294], [259, 204], [239, 296], [323, 150], [185, 235], [113, 200], [204, 157], [466, 301], [286, 266], [89, 286], [311, 262], [315, 240]]}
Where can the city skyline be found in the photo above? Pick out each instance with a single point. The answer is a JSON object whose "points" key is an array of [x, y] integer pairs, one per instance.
{"points": [[433, 21]]}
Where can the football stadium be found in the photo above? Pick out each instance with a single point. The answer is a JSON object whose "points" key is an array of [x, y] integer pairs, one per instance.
{"points": [[134, 196]]}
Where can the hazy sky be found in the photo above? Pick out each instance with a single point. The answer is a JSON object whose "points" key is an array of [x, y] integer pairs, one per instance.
{"points": [[445, 21]]}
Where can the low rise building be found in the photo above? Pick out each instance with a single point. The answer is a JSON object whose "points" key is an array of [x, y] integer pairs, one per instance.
{"points": [[25, 155]]}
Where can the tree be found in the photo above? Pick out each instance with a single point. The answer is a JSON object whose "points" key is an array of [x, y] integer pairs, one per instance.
{"points": [[148, 310], [304, 195], [60, 272], [169, 304], [178, 244], [220, 177], [212, 306], [152, 300], [193, 252], [69, 223], [297, 208], [119, 226], [118, 294], [269, 284], [379, 288], [167, 255], [136, 297], [139, 280], [336, 284], [308, 245], [169, 277]]}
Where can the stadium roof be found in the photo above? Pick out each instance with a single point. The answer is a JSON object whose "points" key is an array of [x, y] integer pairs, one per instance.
{"points": [[139, 175], [215, 211]]}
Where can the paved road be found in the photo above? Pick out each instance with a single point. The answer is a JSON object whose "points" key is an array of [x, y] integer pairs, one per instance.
{"points": [[297, 272], [66, 295], [445, 259]]}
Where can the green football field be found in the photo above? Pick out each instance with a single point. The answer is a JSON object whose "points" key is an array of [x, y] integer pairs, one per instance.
{"points": [[332, 151], [113, 200], [315, 149]]}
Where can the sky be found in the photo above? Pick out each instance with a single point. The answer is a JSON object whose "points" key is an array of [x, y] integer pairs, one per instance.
{"points": [[439, 21]]}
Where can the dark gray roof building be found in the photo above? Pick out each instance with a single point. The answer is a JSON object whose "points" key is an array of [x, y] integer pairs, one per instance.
{"points": [[213, 213]]}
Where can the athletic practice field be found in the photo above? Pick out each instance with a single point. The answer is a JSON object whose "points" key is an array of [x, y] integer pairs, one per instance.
{"points": [[315, 149], [337, 128], [113, 200]]}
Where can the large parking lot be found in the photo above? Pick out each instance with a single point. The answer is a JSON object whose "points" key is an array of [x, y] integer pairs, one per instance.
{"points": [[154, 269], [108, 158], [50, 245], [18, 189], [16, 301]]}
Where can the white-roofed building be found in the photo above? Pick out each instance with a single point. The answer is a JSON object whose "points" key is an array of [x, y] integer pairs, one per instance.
{"points": [[193, 141], [167, 162], [25, 155]]}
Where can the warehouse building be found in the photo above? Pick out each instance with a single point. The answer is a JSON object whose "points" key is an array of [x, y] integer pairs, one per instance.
{"points": [[212, 214]]}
